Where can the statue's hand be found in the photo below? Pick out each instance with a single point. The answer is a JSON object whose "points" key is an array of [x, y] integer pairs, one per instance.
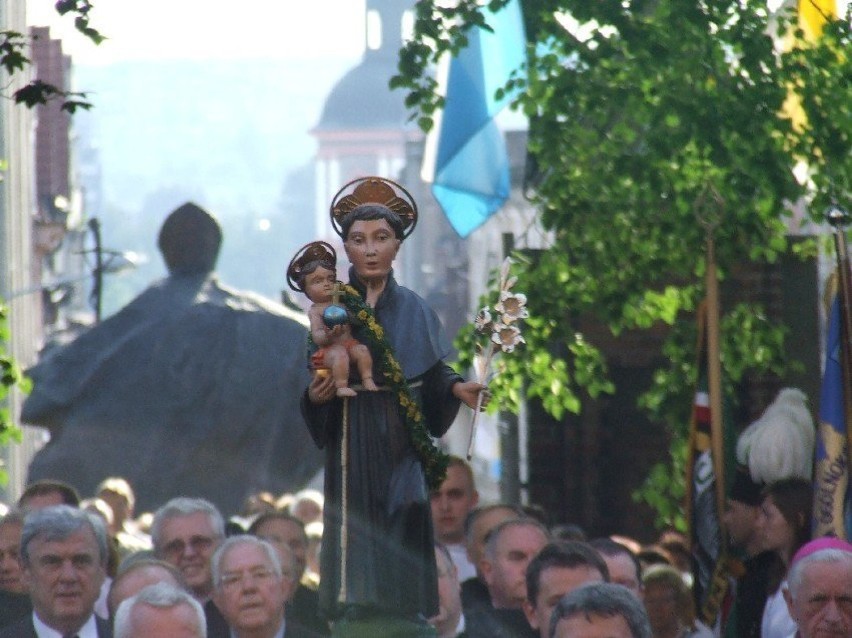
{"points": [[468, 392], [321, 389]]}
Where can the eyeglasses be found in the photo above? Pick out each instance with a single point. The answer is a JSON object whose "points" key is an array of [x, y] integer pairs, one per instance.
{"points": [[178, 546], [233, 580]]}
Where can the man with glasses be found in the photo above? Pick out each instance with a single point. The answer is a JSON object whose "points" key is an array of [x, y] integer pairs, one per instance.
{"points": [[251, 586], [185, 533]]}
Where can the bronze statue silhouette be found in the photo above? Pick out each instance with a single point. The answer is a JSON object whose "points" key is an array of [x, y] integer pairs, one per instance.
{"points": [[191, 389]]}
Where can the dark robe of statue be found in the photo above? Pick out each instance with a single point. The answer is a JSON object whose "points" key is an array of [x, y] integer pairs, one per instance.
{"points": [[191, 389], [378, 546]]}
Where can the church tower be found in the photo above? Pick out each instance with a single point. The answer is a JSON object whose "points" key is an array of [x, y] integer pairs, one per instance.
{"points": [[363, 128]]}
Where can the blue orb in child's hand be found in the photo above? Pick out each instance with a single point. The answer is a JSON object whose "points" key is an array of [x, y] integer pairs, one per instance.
{"points": [[335, 316]]}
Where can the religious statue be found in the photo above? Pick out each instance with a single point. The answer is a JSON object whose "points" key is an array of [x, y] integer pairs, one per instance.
{"points": [[313, 271], [378, 574], [180, 392]]}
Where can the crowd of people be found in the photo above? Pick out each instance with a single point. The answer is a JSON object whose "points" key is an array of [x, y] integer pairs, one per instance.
{"points": [[91, 568], [395, 547]]}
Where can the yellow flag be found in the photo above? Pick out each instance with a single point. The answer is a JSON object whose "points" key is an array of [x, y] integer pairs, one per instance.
{"points": [[813, 14]]}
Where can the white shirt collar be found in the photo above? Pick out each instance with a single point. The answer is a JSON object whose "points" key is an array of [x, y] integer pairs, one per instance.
{"points": [[89, 630]]}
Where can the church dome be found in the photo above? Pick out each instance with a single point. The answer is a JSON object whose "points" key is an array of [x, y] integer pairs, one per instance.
{"points": [[362, 98]]}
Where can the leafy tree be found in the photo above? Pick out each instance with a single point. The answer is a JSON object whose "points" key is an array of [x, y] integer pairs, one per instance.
{"points": [[12, 59], [653, 124]]}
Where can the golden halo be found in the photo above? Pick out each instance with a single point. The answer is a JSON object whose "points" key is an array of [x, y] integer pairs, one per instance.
{"points": [[374, 190], [315, 251]]}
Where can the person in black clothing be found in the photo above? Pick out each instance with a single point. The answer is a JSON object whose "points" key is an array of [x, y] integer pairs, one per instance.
{"points": [[285, 533], [479, 523], [510, 548], [559, 568]]}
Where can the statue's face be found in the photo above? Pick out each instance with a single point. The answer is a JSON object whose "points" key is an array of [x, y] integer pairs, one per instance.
{"points": [[371, 247], [319, 284]]}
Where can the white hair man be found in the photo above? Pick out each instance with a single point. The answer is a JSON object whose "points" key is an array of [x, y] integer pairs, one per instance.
{"points": [[252, 586], [160, 609], [64, 557], [819, 589], [185, 532]]}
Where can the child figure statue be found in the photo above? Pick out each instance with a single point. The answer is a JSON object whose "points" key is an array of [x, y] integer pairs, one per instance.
{"points": [[313, 271]]}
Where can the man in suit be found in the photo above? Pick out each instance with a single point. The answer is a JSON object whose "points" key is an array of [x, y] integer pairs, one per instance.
{"points": [[508, 551], [558, 569], [251, 587], [160, 610], [185, 533], [286, 533], [64, 555]]}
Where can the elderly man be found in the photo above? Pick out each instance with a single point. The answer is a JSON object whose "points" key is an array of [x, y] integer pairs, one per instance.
{"points": [[559, 569], [286, 533], [508, 551], [819, 589], [251, 587], [600, 610], [160, 610], [454, 499], [185, 532], [64, 555]]}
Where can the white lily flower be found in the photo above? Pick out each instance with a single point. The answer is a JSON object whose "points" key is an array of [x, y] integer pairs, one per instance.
{"points": [[507, 336], [512, 306]]}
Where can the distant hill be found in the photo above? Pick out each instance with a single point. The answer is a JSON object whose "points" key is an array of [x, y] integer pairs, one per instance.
{"points": [[230, 135]]}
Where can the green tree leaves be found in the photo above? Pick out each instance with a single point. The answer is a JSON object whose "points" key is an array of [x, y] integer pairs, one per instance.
{"points": [[652, 123]]}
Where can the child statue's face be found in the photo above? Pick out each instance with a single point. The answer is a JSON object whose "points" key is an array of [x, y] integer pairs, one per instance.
{"points": [[319, 284]]}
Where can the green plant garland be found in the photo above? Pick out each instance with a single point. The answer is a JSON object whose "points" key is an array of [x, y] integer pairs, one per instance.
{"points": [[434, 461]]}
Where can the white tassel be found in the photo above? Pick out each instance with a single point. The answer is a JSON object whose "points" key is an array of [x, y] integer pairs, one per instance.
{"points": [[780, 444]]}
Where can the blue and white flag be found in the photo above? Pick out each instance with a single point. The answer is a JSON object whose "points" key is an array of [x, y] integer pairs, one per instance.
{"points": [[465, 158]]}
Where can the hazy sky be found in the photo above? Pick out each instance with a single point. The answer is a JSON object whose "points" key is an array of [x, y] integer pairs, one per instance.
{"points": [[210, 29]]}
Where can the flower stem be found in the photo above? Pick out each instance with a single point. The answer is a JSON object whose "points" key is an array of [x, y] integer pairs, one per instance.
{"points": [[483, 377]]}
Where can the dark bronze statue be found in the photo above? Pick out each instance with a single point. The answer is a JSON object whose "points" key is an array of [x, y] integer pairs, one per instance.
{"points": [[191, 389]]}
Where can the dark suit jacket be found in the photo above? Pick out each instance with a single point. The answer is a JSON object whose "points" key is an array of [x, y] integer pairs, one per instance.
{"points": [[24, 629], [217, 626], [13, 607], [293, 629]]}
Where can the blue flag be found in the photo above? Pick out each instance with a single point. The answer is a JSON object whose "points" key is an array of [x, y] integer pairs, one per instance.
{"points": [[831, 473], [466, 159]]}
